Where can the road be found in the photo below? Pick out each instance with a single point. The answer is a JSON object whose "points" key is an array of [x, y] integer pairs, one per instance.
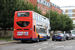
{"points": [[43, 45]]}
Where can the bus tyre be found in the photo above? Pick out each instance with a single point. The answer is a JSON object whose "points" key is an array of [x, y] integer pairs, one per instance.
{"points": [[38, 40]]}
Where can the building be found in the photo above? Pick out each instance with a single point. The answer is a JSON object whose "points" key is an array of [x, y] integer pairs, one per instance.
{"points": [[43, 5], [70, 11], [56, 8]]}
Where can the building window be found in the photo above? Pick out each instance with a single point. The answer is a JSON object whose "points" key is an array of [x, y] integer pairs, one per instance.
{"points": [[44, 2], [64, 11], [47, 3], [70, 15], [38, 7], [51, 3], [73, 22], [45, 10], [70, 11], [40, 0], [42, 8]]}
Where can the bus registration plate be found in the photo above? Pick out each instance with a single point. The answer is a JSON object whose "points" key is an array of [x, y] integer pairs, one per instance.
{"points": [[22, 33]]}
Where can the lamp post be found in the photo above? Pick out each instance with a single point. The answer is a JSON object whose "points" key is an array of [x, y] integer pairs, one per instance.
{"points": [[49, 16]]}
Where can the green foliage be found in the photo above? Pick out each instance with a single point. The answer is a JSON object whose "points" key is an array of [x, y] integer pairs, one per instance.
{"points": [[59, 21], [29, 6], [7, 9]]}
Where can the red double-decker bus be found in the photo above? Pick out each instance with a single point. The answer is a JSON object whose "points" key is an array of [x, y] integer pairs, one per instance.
{"points": [[29, 25]]}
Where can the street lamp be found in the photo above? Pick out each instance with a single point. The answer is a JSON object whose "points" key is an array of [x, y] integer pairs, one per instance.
{"points": [[49, 17]]}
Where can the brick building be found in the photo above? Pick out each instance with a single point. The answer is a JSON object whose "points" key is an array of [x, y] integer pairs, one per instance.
{"points": [[56, 8], [43, 5]]}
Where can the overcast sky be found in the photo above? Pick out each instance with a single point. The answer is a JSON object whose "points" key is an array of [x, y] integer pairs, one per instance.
{"points": [[64, 2]]}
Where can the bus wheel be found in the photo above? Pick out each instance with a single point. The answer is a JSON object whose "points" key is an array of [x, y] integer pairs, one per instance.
{"points": [[38, 39]]}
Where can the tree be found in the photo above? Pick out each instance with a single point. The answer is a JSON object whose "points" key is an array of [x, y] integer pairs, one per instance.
{"points": [[7, 8], [53, 20], [62, 21], [59, 21], [29, 6], [69, 24]]}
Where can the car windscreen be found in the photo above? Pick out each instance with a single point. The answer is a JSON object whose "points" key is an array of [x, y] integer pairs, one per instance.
{"points": [[23, 14], [56, 34]]}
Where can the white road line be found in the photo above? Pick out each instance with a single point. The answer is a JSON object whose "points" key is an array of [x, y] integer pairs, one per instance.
{"points": [[52, 44], [71, 43], [40, 49], [45, 43], [35, 46], [45, 47], [55, 47]]}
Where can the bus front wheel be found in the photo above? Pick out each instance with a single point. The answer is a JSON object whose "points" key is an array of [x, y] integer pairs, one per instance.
{"points": [[38, 39]]}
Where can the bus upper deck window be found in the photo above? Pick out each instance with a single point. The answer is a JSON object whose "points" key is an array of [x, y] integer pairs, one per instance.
{"points": [[23, 14]]}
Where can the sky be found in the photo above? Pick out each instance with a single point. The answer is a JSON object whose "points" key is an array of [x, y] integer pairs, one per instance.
{"points": [[64, 2]]}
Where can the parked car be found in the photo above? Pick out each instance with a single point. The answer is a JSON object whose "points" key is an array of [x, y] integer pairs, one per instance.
{"points": [[58, 36], [72, 36], [68, 37]]}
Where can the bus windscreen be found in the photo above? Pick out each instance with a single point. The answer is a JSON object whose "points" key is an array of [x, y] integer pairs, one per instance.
{"points": [[23, 14]]}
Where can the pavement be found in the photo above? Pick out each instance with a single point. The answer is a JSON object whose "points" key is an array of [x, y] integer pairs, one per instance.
{"points": [[43, 45], [3, 42]]}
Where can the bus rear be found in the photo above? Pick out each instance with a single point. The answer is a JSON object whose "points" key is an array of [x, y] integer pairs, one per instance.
{"points": [[23, 25]]}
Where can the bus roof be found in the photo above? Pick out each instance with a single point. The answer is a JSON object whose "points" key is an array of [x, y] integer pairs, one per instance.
{"points": [[24, 11], [33, 12]]}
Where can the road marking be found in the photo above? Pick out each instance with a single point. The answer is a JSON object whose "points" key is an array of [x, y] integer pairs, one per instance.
{"points": [[45, 47], [45, 43], [71, 43], [35, 45], [55, 47], [40, 49]]}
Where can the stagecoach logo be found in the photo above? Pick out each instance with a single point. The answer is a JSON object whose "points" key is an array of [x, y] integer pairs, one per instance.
{"points": [[25, 33]]}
